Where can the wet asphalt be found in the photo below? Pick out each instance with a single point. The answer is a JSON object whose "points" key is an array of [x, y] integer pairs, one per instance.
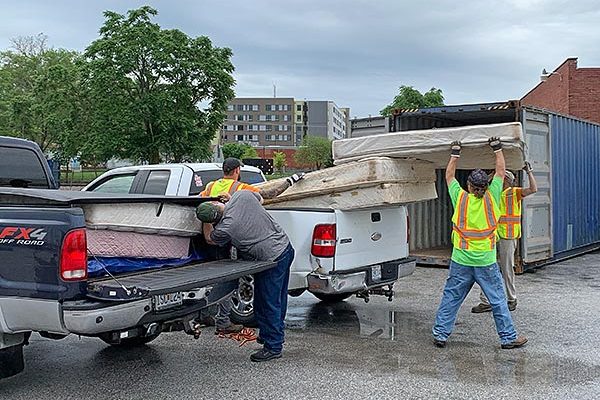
{"points": [[353, 350]]}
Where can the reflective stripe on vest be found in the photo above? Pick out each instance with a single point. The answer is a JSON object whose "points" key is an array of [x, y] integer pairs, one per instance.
{"points": [[474, 231], [509, 224]]}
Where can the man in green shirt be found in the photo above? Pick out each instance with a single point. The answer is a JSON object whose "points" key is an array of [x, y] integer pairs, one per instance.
{"points": [[473, 258]]}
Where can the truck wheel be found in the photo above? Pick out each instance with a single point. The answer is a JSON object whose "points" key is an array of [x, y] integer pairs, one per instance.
{"points": [[242, 303], [131, 342], [332, 298], [11, 361]]}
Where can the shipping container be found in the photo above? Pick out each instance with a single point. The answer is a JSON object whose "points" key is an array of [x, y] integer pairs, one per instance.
{"points": [[561, 220]]}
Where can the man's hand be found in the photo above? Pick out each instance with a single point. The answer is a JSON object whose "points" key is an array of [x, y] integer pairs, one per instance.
{"points": [[527, 167], [294, 178], [224, 197], [495, 144], [455, 148]]}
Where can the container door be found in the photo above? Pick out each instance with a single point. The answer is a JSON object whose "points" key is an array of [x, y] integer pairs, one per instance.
{"points": [[536, 244]]}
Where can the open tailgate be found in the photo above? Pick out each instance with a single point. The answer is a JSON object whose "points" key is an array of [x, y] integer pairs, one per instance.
{"points": [[169, 280]]}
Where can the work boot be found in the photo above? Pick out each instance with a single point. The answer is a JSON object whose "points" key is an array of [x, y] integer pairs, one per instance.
{"points": [[264, 355], [439, 343], [518, 342], [512, 305], [260, 340], [233, 328], [481, 308]]}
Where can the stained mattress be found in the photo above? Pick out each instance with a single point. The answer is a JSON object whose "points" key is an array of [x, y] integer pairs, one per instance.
{"points": [[371, 182], [103, 243], [433, 145], [148, 218]]}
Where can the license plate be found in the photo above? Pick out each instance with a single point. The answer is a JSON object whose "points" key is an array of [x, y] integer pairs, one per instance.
{"points": [[166, 301], [376, 272]]}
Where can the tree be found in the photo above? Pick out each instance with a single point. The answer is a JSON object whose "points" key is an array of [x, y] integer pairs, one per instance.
{"points": [[315, 152], [279, 161], [40, 96], [409, 97], [249, 152], [146, 84], [235, 150]]}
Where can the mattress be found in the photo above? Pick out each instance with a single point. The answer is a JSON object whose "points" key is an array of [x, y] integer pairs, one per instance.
{"points": [[433, 145], [108, 243], [149, 218], [374, 181]]}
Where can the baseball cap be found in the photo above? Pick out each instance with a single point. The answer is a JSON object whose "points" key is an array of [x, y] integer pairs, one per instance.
{"points": [[230, 164], [478, 178], [208, 212]]}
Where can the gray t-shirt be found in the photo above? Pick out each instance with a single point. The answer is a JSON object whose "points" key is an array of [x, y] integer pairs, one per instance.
{"points": [[250, 228]]}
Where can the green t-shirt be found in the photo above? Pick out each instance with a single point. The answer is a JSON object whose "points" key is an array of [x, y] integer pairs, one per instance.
{"points": [[469, 257]]}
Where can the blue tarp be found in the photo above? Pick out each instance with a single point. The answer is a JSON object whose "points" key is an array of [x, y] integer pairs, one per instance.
{"points": [[119, 265]]}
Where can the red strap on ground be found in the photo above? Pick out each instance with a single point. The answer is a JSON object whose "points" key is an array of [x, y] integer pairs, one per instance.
{"points": [[244, 336]]}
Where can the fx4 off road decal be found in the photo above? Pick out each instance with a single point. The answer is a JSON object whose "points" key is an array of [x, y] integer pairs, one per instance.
{"points": [[22, 236]]}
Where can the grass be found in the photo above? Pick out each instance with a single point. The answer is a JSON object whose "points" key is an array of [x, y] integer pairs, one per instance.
{"points": [[83, 177]]}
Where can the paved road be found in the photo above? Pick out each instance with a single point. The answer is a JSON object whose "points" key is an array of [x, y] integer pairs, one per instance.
{"points": [[354, 350]]}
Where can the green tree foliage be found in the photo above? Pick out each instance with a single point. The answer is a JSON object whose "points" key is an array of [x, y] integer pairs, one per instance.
{"points": [[146, 85], [41, 98], [279, 161], [235, 150], [315, 152], [249, 152], [409, 97]]}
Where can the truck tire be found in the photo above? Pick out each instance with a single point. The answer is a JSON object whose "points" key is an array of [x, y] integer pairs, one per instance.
{"points": [[131, 342], [332, 298], [11, 361], [242, 303]]}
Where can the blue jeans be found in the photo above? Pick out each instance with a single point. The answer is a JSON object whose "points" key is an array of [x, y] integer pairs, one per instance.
{"points": [[223, 291], [460, 281], [270, 300]]}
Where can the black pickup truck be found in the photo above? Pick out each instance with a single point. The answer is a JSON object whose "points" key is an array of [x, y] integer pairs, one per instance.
{"points": [[44, 282]]}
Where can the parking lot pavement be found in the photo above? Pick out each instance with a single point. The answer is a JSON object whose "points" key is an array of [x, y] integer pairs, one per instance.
{"points": [[354, 350]]}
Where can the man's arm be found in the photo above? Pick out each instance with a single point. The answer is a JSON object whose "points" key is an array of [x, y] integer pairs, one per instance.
{"points": [[454, 156], [496, 145], [532, 183], [207, 229]]}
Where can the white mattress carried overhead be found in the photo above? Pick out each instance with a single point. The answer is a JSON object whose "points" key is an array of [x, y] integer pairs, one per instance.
{"points": [[433, 145], [371, 182]]}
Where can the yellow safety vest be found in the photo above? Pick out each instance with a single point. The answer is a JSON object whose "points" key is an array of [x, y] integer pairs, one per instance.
{"points": [[475, 222], [509, 224], [222, 185]]}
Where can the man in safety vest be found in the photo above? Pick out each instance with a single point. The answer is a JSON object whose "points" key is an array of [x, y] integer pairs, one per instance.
{"points": [[225, 188], [509, 231], [475, 222]]}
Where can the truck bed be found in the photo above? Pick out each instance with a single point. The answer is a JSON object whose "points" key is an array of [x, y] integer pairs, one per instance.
{"points": [[169, 280]]}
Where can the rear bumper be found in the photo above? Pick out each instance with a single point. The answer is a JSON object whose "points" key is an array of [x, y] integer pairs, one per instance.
{"points": [[90, 318], [361, 279]]}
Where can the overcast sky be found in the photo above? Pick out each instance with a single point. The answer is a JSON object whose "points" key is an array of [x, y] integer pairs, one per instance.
{"points": [[354, 52]]}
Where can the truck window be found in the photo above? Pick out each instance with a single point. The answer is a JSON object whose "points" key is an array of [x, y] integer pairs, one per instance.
{"points": [[201, 178], [115, 184], [157, 182], [22, 168]]}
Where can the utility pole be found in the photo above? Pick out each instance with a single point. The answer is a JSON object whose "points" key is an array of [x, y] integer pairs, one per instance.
{"points": [[274, 90]]}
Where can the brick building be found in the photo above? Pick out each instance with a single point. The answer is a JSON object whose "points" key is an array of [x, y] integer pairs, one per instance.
{"points": [[568, 90]]}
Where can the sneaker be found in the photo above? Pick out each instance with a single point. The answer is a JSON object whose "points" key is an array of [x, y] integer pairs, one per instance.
{"points": [[439, 343], [233, 328], [264, 355], [512, 305], [481, 308], [518, 342]]}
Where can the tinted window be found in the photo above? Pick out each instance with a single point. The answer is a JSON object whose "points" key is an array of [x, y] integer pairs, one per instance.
{"points": [[21, 168], [157, 182], [201, 178], [115, 184]]}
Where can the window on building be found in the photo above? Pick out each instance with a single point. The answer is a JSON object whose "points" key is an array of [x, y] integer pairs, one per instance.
{"points": [[230, 107], [298, 107], [286, 117], [255, 107], [239, 138], [240, 127], [240, 107], [268, 107], [298, 118]]}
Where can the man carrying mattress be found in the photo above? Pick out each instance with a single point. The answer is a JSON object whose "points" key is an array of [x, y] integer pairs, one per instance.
{"points": [[230, 184], [245, 223]]}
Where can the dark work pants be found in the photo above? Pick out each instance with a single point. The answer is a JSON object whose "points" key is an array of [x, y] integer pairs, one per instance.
{"points": [[270, 300]]}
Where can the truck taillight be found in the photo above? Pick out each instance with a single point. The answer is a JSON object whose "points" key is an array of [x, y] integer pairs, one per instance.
{"points": [[323, 240], [73, 256]]}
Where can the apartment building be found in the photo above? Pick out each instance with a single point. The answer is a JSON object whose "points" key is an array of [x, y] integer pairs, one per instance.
{"points": [[279, 121]]}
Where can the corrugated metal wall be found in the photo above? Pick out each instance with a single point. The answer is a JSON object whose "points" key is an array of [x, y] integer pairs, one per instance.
{"points": [[411, 123], [575, 183]]}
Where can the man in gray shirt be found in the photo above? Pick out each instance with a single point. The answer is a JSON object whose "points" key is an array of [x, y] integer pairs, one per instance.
{"points": [[245, 223]]}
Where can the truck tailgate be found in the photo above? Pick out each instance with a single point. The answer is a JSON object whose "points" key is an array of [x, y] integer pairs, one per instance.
{"points": [[168, 280]]}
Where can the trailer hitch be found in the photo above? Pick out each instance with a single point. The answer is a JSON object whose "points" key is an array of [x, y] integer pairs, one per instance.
{"points": [[386, 291]]}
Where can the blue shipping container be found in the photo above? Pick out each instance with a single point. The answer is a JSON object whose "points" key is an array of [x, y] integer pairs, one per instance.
{"points": [[575, 183]]}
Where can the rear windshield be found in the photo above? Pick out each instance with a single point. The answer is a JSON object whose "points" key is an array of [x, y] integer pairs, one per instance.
{"points": [[21, 168], [201, 178]]}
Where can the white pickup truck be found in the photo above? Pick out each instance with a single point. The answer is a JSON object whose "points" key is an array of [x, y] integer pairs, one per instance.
{"points": [[338, 253]]}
